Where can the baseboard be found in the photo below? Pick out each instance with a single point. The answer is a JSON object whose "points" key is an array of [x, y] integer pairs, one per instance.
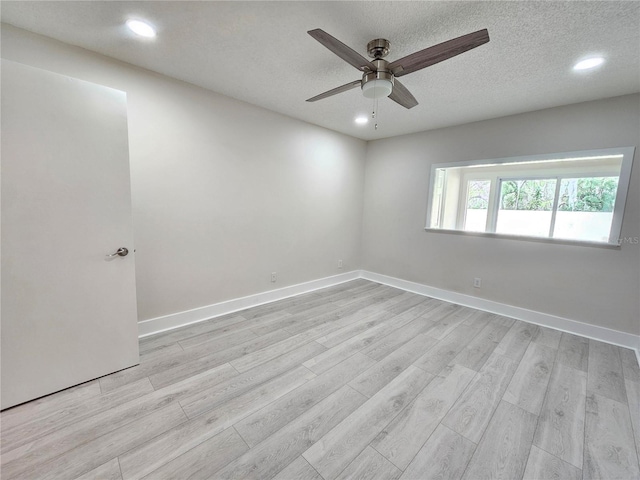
{"points": [[188, 317], [181, 319], [595, 332]]}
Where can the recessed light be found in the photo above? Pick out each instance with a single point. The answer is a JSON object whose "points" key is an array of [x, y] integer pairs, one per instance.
{"points": [[361, 120], [141, 28], [588, 63]]}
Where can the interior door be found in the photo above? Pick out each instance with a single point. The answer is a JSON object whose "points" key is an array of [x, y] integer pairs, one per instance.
{"points": [[68, 310]]}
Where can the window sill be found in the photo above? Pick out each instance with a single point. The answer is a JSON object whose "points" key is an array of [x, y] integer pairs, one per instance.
{"points": [[557, 241]]}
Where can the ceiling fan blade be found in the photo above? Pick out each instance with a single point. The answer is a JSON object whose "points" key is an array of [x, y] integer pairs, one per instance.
{"points": [[438, 53], [336, 90], [402, 96], [343, 51]]}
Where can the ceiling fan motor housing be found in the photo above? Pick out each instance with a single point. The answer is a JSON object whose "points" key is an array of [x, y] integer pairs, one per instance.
{"points": [[378, 48], [378, 84]]}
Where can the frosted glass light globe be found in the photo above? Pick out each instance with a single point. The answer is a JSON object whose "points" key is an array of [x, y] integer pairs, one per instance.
{"points": [[377, 88]]}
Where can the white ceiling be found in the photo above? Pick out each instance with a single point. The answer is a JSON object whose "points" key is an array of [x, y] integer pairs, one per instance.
{"points": [[259, 52]]}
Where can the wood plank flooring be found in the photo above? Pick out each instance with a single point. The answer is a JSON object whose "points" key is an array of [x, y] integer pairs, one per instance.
{"points": [[356, 381]]}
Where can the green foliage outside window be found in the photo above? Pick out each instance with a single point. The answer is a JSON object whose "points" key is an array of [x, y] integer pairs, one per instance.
{"points": [[593, 194], [478, 196], [528, 194], [590, 194]]}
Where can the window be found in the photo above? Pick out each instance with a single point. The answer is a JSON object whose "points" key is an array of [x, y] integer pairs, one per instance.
{"points": [[575, 196]]}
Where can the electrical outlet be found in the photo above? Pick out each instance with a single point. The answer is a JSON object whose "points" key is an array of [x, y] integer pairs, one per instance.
{"points": [[274, 277], [339, 263], [477, 282]]}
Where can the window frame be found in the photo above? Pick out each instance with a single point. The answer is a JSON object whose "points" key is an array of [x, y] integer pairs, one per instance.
{"points": [[624, 180]]}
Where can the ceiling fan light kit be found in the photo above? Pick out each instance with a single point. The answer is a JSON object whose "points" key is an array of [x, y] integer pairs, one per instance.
{"points": [[377, 88], [379, 77]]}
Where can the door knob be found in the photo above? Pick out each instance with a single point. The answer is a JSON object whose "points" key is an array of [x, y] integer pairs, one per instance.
{"points": [[121, 252]]}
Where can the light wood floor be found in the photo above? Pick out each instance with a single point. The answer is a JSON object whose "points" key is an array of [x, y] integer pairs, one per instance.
{"points": [[357, 381]]}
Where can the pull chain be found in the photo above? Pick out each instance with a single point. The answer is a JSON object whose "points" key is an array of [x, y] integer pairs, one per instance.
{"points": [[373, 113]]}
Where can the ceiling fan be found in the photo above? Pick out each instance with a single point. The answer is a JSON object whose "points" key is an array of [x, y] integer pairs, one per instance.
{"points": [[379, 77]]}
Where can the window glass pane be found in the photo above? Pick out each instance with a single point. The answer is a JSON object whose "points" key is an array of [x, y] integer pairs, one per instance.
{"points": [[526, 207], [585, 208], [477, 205]]}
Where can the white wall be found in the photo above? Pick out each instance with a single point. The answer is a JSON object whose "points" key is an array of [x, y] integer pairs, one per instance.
{"points": [[589, 284], [223, 192]]}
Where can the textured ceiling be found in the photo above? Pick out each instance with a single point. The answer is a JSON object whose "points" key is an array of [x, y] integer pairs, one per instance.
{"points": [[259, 52]]}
